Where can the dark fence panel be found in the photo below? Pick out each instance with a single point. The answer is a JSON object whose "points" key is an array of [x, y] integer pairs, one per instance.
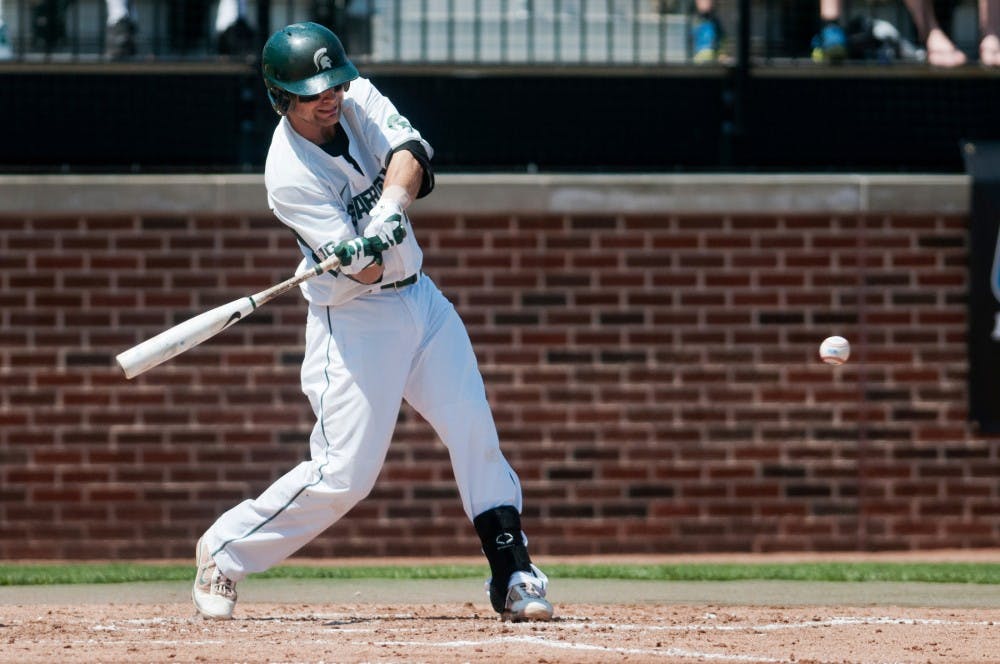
{"points": [[552, 122], [72, 121], [904, 122], [155, 120]]}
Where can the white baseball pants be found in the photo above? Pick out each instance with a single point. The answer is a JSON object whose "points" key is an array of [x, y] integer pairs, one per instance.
{"points": [[362, 358]]}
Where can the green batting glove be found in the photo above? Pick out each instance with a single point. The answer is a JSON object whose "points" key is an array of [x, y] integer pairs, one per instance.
{"points": [[352, 253]]}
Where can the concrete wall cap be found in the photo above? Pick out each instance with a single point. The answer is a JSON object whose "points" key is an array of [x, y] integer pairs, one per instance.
{"points": [[511, 193]]}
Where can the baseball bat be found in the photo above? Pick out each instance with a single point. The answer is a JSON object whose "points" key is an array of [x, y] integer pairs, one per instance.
{"points": [[193, 331]]}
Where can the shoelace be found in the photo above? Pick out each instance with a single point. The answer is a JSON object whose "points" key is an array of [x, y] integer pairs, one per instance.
{"points": [[224, 586], [529, 590]]}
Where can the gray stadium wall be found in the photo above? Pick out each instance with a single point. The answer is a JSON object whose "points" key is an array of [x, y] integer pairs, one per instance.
{"points": [[648, 343]]}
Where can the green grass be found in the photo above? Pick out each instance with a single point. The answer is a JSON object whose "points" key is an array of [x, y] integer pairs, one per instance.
{"points": [[979, 573]]}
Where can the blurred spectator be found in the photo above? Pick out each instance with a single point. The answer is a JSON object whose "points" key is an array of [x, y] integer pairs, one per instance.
{"points": [[119, 31], [186, 26], [877, 40], [233, 34], [989, 32], [48, 22], [706, 33], [941, 51], [829, 44], [351, 20], [5, 51]]}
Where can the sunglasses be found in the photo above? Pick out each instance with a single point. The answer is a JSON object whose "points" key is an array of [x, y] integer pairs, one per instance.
{"points": [[307, 99]]}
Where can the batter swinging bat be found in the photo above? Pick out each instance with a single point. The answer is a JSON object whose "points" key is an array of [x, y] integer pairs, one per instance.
{"points": [[193, 331]]}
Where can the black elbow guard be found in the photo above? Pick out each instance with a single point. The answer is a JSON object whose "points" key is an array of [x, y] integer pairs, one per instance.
{"points": [[416, 148]]}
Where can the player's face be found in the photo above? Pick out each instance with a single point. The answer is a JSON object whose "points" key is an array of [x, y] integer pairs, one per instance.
{"points": [[315, 116]]}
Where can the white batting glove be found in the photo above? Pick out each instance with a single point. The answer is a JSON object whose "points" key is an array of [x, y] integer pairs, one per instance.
{"points": [[386, 223]]}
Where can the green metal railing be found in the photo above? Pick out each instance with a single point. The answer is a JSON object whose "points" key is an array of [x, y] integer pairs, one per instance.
{"points": [[527, 32], [459, 32], [626, 32]]}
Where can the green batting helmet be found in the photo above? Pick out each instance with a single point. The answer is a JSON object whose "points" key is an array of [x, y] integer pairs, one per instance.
{"points": [[303, 59]]}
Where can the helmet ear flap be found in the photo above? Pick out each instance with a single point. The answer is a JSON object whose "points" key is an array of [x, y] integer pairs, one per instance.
{"points": [[280, 100]]}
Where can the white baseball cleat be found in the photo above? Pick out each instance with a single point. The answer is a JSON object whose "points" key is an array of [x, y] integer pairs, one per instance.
{"points": [[214, 594], [525, 601]]}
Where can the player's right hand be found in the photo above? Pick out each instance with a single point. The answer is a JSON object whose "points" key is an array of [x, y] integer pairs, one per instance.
{"points": [[386, 224]]}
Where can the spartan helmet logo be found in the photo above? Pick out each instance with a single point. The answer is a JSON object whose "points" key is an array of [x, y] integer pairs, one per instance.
{"points": [[321, 60]]}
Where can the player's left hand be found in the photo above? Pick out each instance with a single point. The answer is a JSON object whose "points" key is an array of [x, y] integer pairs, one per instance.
{"points": [[386, 223], [352, 254]]}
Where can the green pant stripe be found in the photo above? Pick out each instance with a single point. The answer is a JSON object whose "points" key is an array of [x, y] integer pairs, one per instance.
{"points": [[326, 373]]}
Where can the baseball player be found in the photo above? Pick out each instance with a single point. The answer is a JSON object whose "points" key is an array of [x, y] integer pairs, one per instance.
{"points": [[343, 166]]}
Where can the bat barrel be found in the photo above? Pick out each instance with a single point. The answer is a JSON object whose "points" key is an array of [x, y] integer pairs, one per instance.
{"points": [[177, 339], [139, 359], [190, 333]]}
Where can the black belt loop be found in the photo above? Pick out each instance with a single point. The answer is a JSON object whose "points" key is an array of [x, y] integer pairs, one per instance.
{"points": [[409, 281]]}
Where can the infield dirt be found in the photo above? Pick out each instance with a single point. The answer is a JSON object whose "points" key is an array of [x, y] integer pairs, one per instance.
{"points": [[450, 621]]}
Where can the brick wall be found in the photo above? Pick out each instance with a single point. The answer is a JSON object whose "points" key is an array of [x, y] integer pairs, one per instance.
{"points": [[653, 374]]}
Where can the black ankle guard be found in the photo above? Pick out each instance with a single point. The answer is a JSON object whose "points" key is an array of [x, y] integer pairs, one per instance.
{"points": [[499, 530]]}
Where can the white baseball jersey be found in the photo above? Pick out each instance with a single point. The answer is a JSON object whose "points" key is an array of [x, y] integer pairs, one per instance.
{"points": [[326, 199]]}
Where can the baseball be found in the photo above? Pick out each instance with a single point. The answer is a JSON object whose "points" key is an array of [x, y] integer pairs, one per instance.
{"points": [[834, 350]]}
